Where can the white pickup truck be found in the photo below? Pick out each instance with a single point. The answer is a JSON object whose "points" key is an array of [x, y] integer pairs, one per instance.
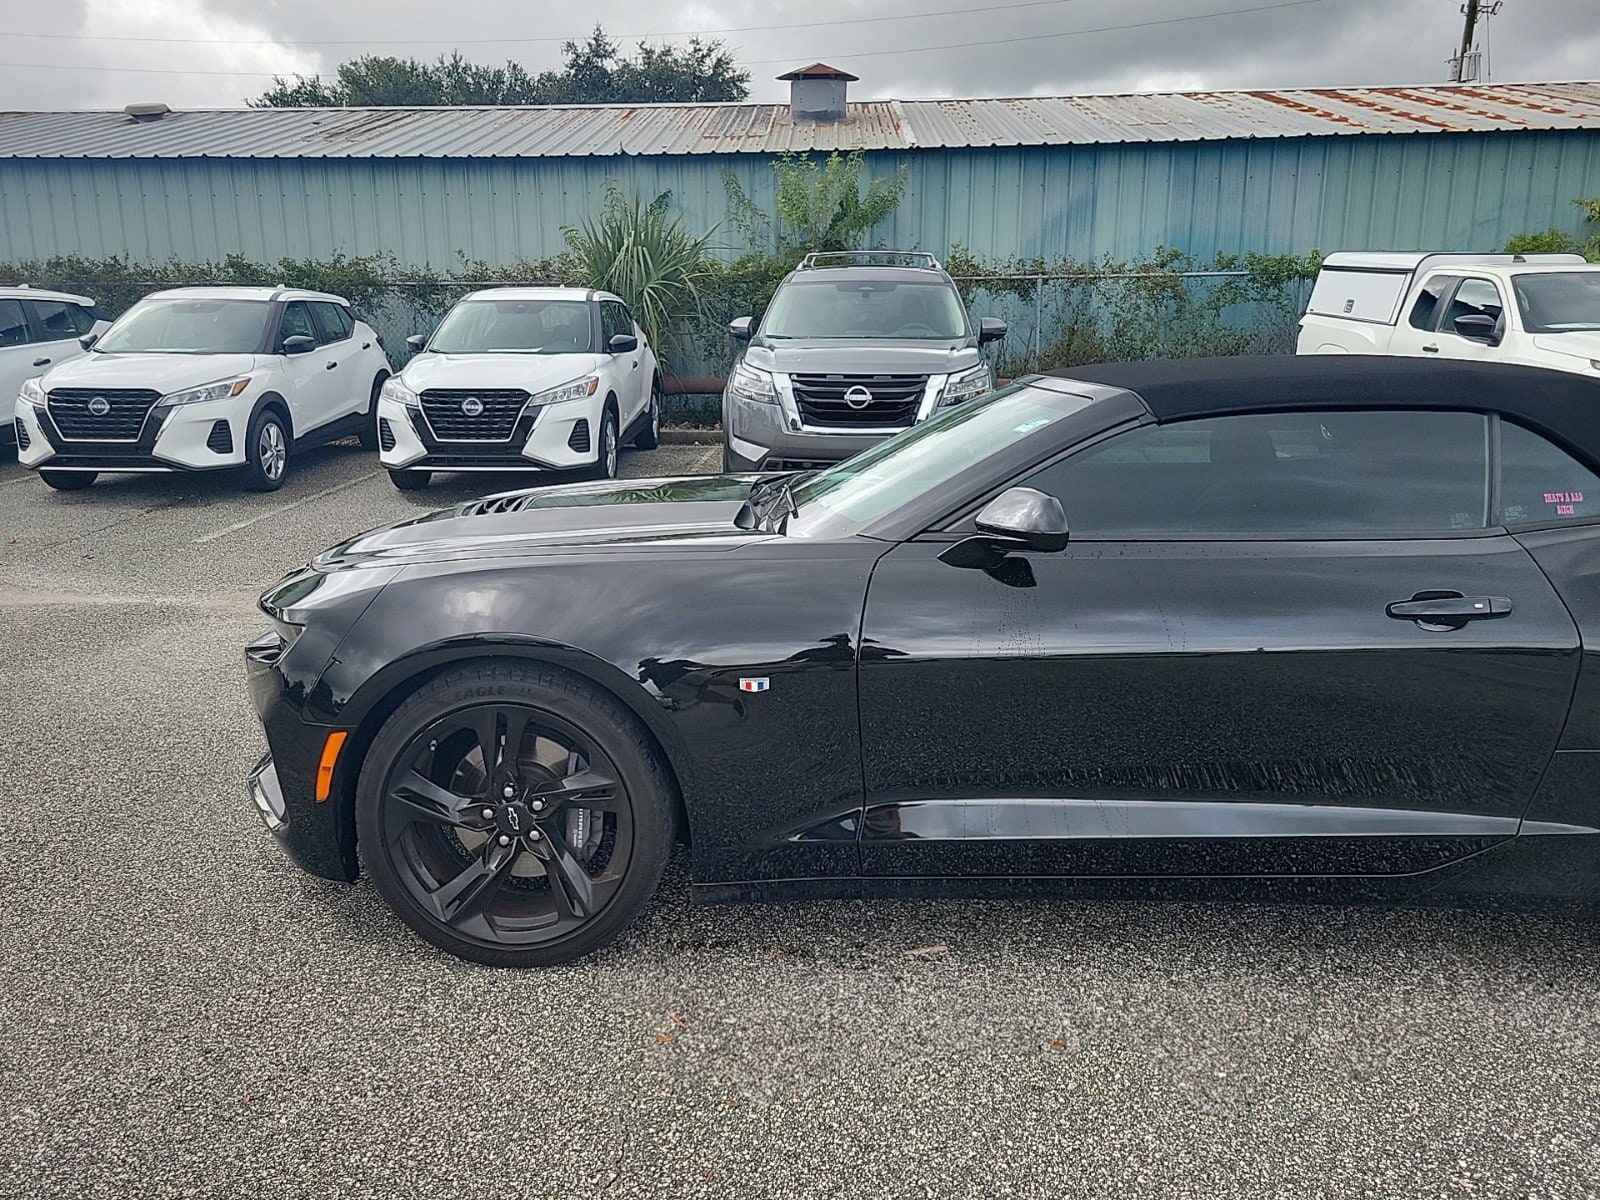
{"points": [[1541, 310]]}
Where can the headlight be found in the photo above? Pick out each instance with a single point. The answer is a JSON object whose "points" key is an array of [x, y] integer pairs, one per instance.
{"points": [[576, 390], [967, 386], [210, 391], [399, 393], [32, 393], [749, 383]]}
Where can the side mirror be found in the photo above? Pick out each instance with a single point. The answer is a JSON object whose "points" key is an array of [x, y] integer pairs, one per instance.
{"points": [[741, 328], [88, 340], [1480, 327], [1019, 518], [416, 342], [622, 343], [299, 343], [991, 329]]}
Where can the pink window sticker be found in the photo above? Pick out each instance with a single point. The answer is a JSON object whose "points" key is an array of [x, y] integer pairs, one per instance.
{"points": [[1563, 510], [1563, 498]]}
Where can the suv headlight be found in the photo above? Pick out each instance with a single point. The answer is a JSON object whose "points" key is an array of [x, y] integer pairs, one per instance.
{"points": [[32, 392], [750, 383], [220, 390], [576, 390], [399, 393], [968, 385]]}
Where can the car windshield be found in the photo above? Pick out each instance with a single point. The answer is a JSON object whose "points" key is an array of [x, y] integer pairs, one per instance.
{"points": [[1559, 302], [875, 482], [876, 309], [515, 327], [189, 326]]}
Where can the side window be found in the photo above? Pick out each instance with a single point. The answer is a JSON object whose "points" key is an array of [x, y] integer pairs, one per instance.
{"points": [[1541, 482], [1306, 473], [614, 319], [13, 325], [59, 320], [296, 322], [333, 322], [1425, 312], [1474, 298]]}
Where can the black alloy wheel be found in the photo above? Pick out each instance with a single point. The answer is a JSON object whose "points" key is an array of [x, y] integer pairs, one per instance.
{"points": [[649, 437], [266, 452], [514, 815], [369, 425], [68, 481]]}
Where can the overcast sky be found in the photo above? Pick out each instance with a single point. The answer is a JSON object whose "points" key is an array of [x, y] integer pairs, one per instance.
{"points": [[216, 53]]}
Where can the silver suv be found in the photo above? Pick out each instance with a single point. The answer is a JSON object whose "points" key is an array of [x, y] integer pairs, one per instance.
{"points": [[854, 347]]}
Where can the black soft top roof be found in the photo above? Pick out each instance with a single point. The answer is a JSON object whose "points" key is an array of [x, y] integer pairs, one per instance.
{"points": [[1562, 405]]}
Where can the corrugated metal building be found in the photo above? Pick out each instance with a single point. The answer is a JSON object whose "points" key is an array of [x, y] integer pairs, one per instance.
{"points": [[1459, 167]]}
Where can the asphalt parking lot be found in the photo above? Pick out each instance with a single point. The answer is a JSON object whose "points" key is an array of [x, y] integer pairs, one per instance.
{"points": [[186, 1014]]}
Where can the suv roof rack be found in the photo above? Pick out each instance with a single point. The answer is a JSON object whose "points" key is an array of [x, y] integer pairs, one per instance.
{"points": [[869, 258]]}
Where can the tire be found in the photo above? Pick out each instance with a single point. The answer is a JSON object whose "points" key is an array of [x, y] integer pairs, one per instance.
{"points": [[649, 437], [266, 451], [409, 481], [519, 888], [369, 428], [608, 447], [68, 481]]}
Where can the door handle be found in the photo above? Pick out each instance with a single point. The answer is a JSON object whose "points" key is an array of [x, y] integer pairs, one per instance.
{"points": [[1442, 609], [1430, 349], [41, 362], [330, 366]]}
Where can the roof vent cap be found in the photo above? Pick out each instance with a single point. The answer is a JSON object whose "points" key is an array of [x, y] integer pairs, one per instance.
{"points": [[143, 114], [817, 93]]}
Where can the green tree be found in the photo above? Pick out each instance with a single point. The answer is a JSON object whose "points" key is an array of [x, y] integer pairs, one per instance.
{"points": [[820, 205], [595, 72]]}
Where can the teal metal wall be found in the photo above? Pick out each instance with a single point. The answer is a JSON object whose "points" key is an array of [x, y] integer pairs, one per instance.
{"points": [[1390, 192]]}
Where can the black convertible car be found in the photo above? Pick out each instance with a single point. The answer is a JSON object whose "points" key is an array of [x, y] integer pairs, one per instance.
{"points": [[1293, 627]]}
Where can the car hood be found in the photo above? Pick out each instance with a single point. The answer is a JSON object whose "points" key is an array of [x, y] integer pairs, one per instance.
{"points": [[637, 514], [531, 372], [848, 356], [1580, 343], [164, 373]]}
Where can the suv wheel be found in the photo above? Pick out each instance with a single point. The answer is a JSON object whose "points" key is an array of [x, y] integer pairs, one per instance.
{"points": [[369, 425], [605, 466], [515, 815], [410, 481], [649, 437], [266, 451], [68, 481]]}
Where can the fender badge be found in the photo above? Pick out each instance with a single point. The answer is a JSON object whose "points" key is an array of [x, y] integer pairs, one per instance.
{"points": [[754, 685]]}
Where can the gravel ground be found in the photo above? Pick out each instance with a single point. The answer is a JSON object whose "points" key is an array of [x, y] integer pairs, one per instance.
{"points": [[186, 1014]]}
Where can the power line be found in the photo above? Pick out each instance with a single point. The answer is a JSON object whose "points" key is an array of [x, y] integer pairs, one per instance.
{"points": [[762, 62], [621, 37]]}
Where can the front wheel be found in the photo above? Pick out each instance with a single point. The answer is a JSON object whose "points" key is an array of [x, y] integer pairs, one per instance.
{"points": [[68, 481], [605, 466], [410, 481], [514, 815], [649, 437], [368, 435], [266, 452]]}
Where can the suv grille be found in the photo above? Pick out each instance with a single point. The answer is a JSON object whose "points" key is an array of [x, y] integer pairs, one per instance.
{"points": [[494, 423], [894, 403], [123, 418]]}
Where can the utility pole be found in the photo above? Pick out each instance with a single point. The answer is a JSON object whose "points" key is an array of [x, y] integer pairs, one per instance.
{"points": [[1470, 8]]}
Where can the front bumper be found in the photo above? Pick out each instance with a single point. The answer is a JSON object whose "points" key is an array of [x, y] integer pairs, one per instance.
{"points": [[552, 437], [759, 437], [187, 437]]}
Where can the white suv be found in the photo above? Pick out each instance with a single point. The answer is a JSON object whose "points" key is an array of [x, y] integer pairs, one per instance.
{"points": [[205, 378], [550, 379], [38, 330]]}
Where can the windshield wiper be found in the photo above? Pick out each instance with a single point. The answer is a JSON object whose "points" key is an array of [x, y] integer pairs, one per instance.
{"points": [[759, 507]]}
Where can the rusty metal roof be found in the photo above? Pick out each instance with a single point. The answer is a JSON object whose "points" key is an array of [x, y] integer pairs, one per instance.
{"points": [[665, 129]]}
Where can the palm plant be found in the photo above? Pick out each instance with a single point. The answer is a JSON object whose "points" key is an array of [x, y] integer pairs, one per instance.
{"points": [[640, 253]]}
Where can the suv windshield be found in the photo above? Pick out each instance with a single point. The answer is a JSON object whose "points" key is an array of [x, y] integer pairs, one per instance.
{"points": [[874, 308], [516, 327], [1560, 302], [189, 327], [927, 456]]}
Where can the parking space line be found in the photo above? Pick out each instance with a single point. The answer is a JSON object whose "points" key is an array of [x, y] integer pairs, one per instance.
{"points": [[283, 508]]}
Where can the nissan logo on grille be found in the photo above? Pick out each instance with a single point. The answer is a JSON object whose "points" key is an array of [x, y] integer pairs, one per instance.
{"points": [[472, 406], [99, 406], [858, 397]]}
